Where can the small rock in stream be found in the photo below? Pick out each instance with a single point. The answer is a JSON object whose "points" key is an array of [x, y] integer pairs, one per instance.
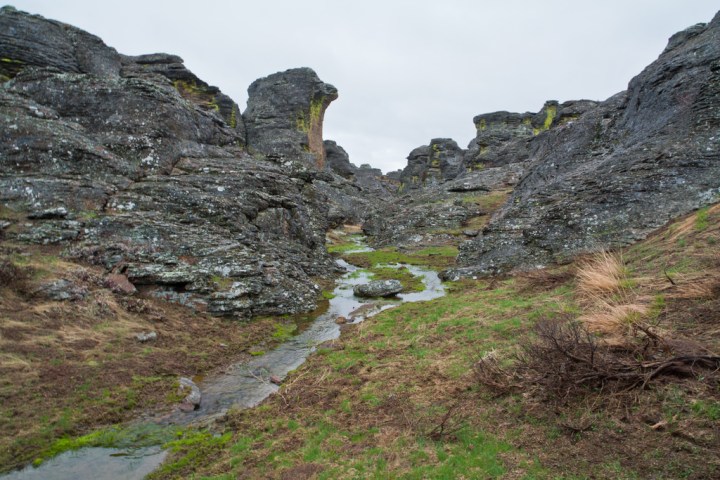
{"points": [[192, 399], [341, 320], [378, 288], [275, 379]]}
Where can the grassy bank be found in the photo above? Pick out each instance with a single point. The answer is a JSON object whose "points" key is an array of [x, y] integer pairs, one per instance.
{"points": [[402, 395], [70, 367]]}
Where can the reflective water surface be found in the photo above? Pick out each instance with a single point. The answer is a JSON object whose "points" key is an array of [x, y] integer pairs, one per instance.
{"points": [[242, 385]]}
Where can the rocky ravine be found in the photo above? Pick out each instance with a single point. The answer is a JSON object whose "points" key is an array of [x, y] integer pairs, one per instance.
{"points": [[586, 175], [137, 164]]}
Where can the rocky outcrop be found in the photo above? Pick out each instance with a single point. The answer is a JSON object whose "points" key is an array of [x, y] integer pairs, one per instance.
{"points": [[354, 193], [188, 85], [619, 170], [440, 213], [284, 115], [136, 164], [338, 161], [432, 164], [502, 137], [33, 41]]}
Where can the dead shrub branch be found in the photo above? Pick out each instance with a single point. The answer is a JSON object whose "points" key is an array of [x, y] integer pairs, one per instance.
{"points": [[566, 360]]}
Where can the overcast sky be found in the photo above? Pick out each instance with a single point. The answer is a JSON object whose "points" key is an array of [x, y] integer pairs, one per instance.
{"points": [[407, 71]]}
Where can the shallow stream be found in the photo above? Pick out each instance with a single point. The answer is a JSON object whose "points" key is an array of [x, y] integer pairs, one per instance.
{"points": [[242, 385]]}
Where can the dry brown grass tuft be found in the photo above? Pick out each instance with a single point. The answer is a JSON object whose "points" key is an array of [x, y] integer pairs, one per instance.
{"points": [[613, 307], [603, 274], [614, 320]]}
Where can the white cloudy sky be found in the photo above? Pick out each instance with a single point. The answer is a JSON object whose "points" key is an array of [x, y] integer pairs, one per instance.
{"points": [[407, 71]]}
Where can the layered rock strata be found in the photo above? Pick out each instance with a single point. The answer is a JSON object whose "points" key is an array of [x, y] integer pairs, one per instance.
{"points": [[136, 164]]}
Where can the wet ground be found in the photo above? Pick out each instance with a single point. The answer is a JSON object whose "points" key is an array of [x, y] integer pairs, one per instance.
{"points": [[240, 386]]}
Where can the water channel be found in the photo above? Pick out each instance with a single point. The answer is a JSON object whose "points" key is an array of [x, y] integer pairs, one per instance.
{"points": [[242, 385]]}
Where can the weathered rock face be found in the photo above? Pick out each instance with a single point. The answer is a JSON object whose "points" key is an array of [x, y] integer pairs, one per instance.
{"points": [[432, 164], [337, 160], [284, 115], [354, 194], [618, 171], [188, 85], [502, 137], [440, 213], [136, 164], [30, 40]]}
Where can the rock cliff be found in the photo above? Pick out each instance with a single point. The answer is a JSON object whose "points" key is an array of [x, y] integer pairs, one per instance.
{"points": [[583, 175], [618, 170], [285, 112], [136, 164], [432, 164]]}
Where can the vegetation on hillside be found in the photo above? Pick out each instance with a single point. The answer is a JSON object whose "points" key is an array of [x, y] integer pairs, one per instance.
{"points": [[606, 368], [483, 383]]}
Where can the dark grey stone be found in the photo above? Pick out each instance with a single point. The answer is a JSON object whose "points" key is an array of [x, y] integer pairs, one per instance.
{"points": [[378, 288]]}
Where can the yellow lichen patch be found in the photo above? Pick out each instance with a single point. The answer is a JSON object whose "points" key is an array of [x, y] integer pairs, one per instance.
{"points": [[196, 94], [550, 114]]}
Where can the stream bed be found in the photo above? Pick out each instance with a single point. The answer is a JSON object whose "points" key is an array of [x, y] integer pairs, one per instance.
{"points": [[242, 385]]}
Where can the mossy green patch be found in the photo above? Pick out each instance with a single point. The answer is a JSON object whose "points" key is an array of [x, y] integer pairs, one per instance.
{"points": [[410, 282], [198, 94], [284, 331], [192, 449], [550, 114], [133, 436], [435, 257], [340, 243], [701, 219]]}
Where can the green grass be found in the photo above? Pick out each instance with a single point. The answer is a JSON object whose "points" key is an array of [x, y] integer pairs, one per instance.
{"points": [[701, 219], [284, 331], [192, 449], [707, 409], [398, 353], [134, 436], [410, 282], [433, 257], [347, 244]]}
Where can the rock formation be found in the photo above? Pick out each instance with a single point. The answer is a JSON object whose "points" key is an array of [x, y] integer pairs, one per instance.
{"points": [[338, 161], [354, 194], [432, 164], [502, 137], [584, 175], [285, 112], [617, 171], [136, 164]]}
